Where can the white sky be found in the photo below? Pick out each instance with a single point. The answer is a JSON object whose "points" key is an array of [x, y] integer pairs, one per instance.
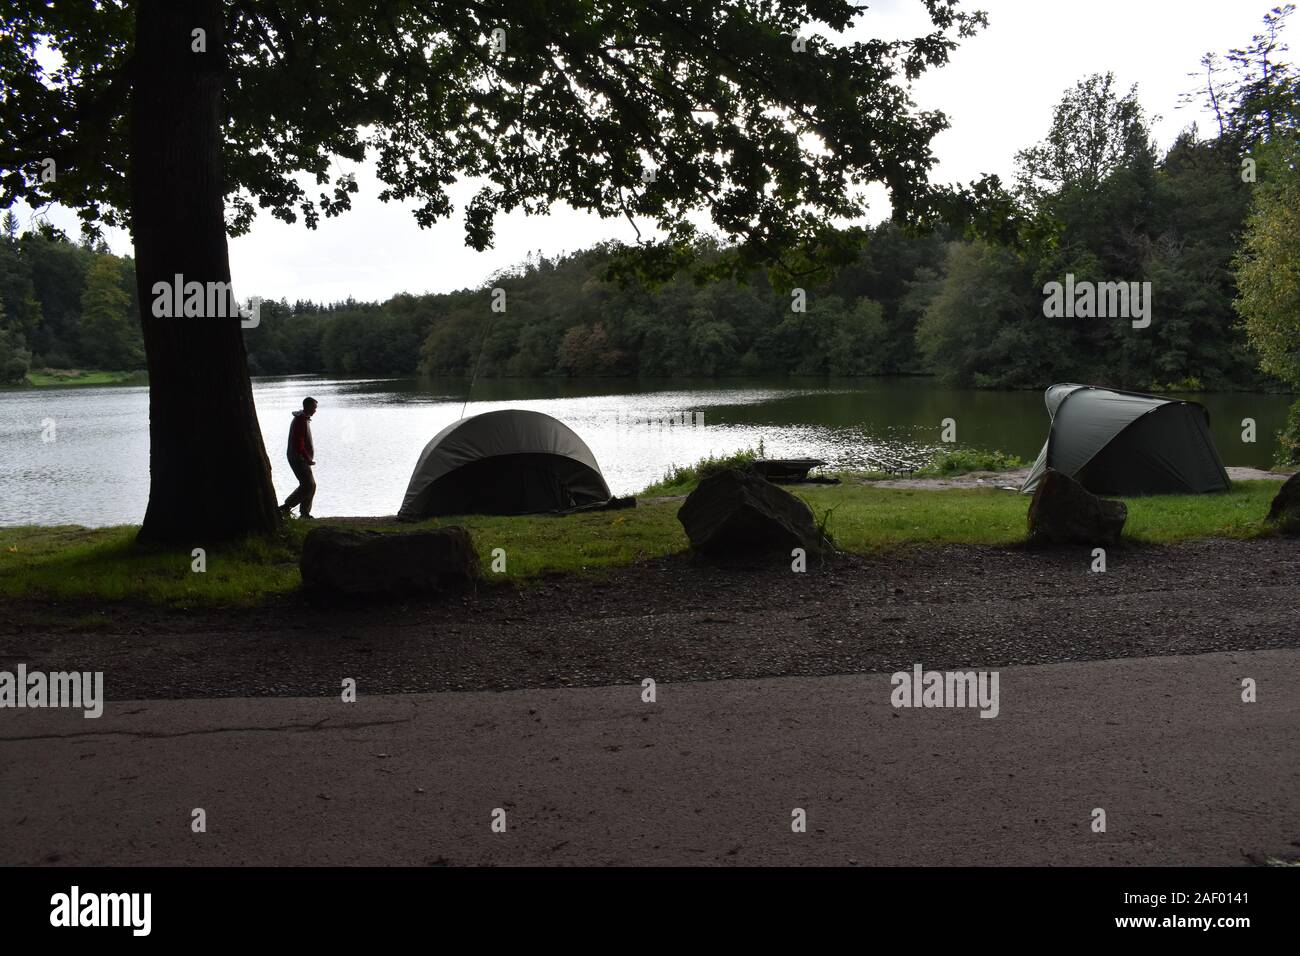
{"points": [[998, 92]]}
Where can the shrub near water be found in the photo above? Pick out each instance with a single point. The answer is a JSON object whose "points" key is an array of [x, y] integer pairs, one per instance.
{"points": [[959, 461], [680, 479], [945, 464], [1288, 455]]}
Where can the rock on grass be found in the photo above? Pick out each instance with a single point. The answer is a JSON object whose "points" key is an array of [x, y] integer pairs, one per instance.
{"points": [[1285, 510], [344, 562], [735, 513], [1062, 511]]}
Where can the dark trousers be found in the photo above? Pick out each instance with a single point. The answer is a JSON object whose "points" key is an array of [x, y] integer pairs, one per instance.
{"points": [[306, 489]]}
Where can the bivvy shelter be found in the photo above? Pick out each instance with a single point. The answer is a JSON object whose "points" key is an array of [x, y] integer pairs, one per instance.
{"points": [[1128, 443], [504, 462]]}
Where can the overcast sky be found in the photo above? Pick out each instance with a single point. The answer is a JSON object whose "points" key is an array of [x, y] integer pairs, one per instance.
{"points": [[998, 92]]}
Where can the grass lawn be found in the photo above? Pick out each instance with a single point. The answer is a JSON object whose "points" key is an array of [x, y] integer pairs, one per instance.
{"points": [[60, 377], [105, 564]]}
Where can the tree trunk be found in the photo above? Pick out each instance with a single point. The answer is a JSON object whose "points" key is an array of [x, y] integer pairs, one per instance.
{"points": [[209, 477]]}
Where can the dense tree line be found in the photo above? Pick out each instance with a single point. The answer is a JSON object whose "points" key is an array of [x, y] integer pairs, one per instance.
{"points": [[564, 316], [1100, 204], [1111, 210], [64, 305]]}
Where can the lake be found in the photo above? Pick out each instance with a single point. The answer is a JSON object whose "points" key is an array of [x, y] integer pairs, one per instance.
{"points": [[81, 455]]}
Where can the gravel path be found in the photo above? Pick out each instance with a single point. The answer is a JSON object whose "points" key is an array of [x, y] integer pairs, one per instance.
{"points": [[676, 620]]}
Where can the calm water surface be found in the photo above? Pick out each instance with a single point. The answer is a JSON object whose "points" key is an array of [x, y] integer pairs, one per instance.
{"points": [[80, 455]]}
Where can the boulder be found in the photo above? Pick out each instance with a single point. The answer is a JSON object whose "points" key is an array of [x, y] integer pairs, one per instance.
{"points": [[350, 563], [1285, 510], [736, 512], [1064, 512]]}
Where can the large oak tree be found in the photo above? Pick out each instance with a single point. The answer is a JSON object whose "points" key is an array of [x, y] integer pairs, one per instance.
{"points": [[180, 118]]}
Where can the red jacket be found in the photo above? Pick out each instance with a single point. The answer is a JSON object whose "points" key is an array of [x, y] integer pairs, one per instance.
{"points": [[300, 445]]}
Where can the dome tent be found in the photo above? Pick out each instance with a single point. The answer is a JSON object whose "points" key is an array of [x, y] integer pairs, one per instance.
{"points": [[503, 462], [1128, 443]]}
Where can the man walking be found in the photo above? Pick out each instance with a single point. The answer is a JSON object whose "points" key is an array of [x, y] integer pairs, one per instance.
{"points": [[301, 457]]}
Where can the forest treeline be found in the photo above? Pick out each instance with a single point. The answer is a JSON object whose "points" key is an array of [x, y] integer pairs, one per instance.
{"points": [[1098, 200]]}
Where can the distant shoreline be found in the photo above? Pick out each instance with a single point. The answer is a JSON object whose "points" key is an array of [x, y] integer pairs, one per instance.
{"points": [[62, 378]]}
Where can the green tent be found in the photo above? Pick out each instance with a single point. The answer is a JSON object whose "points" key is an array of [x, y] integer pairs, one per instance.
{"points": [[505, 462], [1127, 443]]}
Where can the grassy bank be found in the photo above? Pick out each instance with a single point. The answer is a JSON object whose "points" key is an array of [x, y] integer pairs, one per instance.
{"points": [[105, 564], [51, 377], [680, 479]]}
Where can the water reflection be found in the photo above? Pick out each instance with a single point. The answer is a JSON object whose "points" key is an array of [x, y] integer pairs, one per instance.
{"points": [[369, 432]]}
